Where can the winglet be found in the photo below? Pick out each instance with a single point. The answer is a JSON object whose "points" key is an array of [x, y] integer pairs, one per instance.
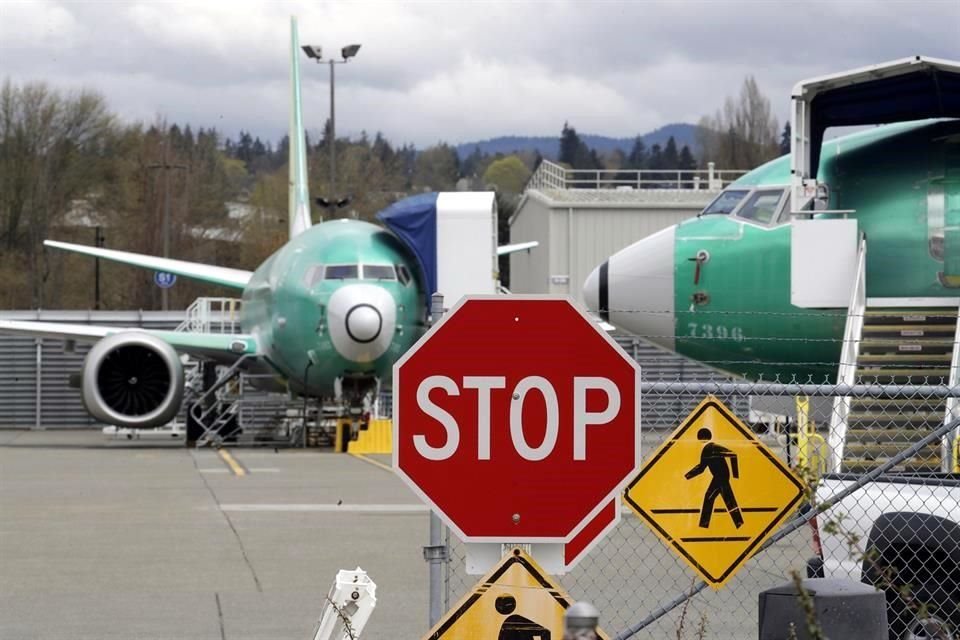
{"points": [[298, 213]]}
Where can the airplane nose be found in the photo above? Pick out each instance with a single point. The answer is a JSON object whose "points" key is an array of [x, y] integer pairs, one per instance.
{"points": [[634, 288], [362, 319], [364, 323], [596, 291]]}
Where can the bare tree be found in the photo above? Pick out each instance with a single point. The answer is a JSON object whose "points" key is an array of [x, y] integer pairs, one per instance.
{"points": [[51, 148], [744, 133]]}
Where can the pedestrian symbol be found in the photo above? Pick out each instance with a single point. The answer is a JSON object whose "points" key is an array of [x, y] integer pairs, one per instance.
{"points": [[517, 600], [714, 458], [713, 492]]}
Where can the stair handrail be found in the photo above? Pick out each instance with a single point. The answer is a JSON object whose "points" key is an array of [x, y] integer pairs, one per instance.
{"points": [[200, 413], [950, 446], [849, 354]]}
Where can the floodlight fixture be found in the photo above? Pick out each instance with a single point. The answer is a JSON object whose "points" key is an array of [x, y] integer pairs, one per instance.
{"points": [[349, 51], [313, 51]]}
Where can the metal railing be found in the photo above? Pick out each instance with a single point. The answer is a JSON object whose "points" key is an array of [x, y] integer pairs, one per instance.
{"points": [[550, 175], [847, 372], [212, 315]]}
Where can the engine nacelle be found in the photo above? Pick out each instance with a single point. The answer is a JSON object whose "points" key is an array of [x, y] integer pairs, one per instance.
{"points": [[132, 379]]}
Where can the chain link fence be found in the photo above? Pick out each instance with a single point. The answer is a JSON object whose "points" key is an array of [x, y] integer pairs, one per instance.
{"points": [[883, 507]]}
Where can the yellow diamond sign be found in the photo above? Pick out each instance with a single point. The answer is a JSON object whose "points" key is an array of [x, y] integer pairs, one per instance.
{"points": [[517, 600], [714, 492]]}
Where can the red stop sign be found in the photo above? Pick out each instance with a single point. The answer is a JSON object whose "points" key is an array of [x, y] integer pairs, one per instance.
{"points": [[517, 419]]}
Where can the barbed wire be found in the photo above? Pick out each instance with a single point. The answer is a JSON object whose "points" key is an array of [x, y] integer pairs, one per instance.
{"points": [[948, 312]]}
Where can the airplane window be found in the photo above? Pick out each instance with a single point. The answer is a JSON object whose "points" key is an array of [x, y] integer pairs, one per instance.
{"points": [[341, 272], [725, 203], [379, 272], [761, 206], [403, 274], [313, 275]]}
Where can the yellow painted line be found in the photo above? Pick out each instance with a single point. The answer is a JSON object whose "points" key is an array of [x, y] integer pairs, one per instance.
{"points": [[235, 466], [375, 463]]}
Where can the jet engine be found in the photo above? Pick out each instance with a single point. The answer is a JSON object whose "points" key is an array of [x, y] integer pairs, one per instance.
{"points": [[132, 379]]}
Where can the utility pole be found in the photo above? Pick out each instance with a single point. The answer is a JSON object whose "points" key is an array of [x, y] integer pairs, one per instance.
{"points": [[165, 231], [98, 241]]}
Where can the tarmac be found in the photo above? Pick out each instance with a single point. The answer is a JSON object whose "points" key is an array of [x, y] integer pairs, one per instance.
{"points": [[143, 540], [106, 540]]}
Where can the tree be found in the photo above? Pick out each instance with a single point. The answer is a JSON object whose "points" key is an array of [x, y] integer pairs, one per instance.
{"points": [[507, 175], [785, 139], [570, 144], [51, 148], [671, 157], [743, 134], [471, 164], [436, 168], [638, 157], [687, 161]]}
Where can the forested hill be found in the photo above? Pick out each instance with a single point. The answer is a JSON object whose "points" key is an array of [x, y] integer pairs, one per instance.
{"points": [[548, 146]]}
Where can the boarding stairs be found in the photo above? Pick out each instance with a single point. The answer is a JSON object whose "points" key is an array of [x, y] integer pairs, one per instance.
{"points": [[231, 410], [895, 342]]}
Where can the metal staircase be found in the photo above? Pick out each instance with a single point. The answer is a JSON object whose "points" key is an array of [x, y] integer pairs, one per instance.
{"points": [[901, 346], [894, 342]]}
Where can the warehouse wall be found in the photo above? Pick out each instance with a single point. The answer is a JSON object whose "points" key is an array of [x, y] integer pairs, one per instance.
{"points": [[576, 238]]}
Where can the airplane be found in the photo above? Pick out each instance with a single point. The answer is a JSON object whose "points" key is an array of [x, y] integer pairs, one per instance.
{"points": [[327, 314], [717, 287]]}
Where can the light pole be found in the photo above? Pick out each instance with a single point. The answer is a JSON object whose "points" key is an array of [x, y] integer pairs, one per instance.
{"points": [[314, 52]]}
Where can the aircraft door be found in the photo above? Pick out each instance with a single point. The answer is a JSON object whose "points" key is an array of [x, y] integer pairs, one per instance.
{"points": [[943, 215]]}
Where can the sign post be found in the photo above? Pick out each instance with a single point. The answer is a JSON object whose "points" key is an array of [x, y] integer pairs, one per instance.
{"points": [[517, 419]]}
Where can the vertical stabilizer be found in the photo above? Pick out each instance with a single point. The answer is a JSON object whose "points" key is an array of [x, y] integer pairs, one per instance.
{"points": [[298, 214]]}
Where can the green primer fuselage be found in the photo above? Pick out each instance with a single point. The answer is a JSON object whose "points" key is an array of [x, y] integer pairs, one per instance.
{"points": [[903, 181], [288, 313]]}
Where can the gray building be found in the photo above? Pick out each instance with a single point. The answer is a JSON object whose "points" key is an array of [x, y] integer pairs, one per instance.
{"points": [[582, 217]]}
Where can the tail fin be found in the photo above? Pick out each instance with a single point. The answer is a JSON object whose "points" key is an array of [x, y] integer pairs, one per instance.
{"points": [[299, 195]]}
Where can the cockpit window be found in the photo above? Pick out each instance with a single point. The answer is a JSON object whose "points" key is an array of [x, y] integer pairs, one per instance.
{"points": [[725, 203], [404, 274], [313, 275], [379, 272], [341, 272], [761, 206]]}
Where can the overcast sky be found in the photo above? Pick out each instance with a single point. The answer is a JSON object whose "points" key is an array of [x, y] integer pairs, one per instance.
{"points": [[431, 71]]}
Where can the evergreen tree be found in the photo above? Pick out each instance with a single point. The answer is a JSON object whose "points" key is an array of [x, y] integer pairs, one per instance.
{"points": [[671, 157], [570, 144], [687, 161], [785, 139], [638, 158], [472, 162]]}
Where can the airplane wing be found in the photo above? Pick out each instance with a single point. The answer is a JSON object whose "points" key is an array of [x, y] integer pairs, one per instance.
{"points": [[205, 345], [506, 249], [234, 278]]}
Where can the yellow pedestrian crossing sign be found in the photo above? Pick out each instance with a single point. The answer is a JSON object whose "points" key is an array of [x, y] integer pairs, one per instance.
{"points": [[517, 600], [714, 492]]}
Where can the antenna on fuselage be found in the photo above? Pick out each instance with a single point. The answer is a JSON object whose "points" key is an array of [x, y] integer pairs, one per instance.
{"points": [[298, 213]]}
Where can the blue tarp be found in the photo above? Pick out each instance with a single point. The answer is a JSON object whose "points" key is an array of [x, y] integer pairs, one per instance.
{"points": [[925, 93], [414, 220]]}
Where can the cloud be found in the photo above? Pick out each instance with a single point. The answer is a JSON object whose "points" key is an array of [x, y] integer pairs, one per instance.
{"points": [[456, 71]]}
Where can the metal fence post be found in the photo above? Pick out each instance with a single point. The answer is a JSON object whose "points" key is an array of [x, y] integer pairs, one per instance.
{"points": [[580, 622], [436, 552]]}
